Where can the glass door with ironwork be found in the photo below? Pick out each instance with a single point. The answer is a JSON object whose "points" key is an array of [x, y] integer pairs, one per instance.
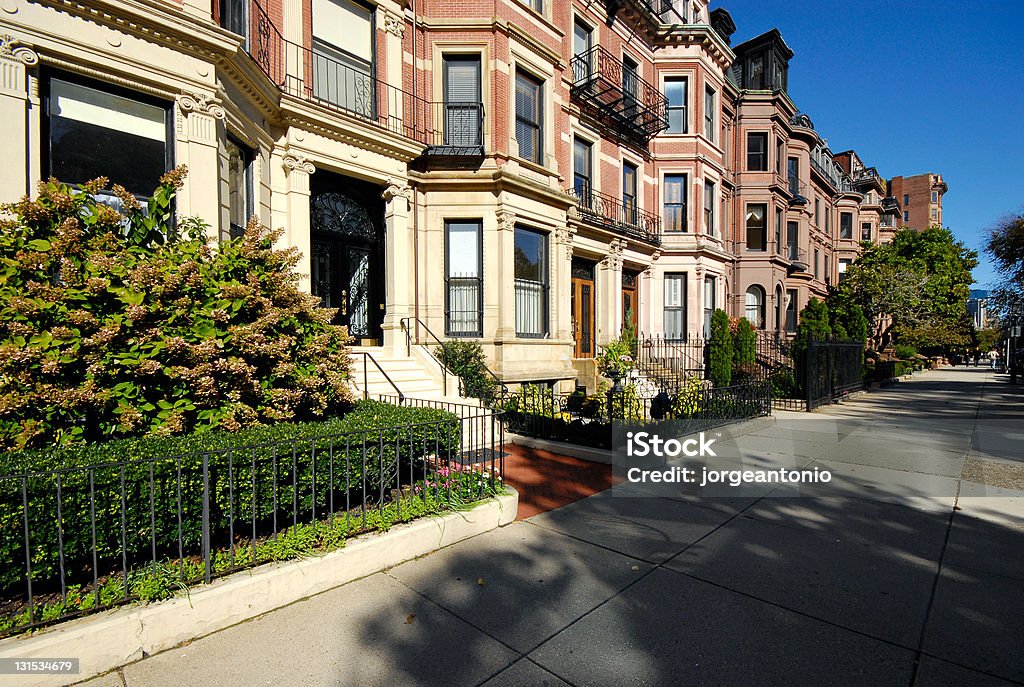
{"points": [[346, 270]]}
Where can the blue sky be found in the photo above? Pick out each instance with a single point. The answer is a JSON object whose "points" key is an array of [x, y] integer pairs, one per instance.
{"points": [[913, 87]]}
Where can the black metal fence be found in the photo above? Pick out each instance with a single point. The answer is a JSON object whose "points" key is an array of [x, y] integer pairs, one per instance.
{"points": [[81, 539], [668, 362], [831, 369], [583, 419]]}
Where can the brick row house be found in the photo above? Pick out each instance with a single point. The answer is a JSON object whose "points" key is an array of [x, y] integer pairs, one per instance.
{"points": [[529, 174]]}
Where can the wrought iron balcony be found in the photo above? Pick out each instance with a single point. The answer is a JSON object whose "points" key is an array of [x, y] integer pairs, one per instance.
{"points": [[323, 75], [611, 213], [797, 259], [618, 97], [797, 190]]}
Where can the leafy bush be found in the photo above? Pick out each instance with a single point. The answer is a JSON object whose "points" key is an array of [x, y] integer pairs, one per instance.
{"points": [[467, 360], [116, 325], [904, 352], [720, 352], [783, 382], [255, 475], [745, 343], [687, 400], [626, 404]]}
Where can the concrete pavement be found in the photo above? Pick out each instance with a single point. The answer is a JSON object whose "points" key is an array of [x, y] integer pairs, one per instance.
{"points": [[670, 591]]}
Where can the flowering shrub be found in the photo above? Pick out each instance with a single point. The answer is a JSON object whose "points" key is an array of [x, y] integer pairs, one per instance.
{"points": [[124, 324], [616, 359]]}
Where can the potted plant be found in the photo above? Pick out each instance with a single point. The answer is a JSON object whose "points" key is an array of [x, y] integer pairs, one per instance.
{"points": [[616, 361]]}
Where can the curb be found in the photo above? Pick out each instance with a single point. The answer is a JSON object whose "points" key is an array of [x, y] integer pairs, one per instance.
{"points": [[114, 638]]}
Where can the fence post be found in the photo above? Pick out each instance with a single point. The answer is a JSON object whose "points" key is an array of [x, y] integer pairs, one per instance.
{"points": [[207, 563], [807, 371], [830, 350]]}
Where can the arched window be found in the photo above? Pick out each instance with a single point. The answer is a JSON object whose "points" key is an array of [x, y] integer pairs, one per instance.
{"points": [[778, 308], [755, 306]]}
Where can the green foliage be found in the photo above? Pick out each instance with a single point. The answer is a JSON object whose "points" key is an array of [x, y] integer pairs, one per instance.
{"points": [[626, 404], [721, 349], [453, 488], [904, 352], [918, 285], [629, 332], [813, 324], [117, 325], [1005, 245], [783, 382], [467, 360], [362, 452], [745, 345], [987, 339], [686, 402], [616, 358]]}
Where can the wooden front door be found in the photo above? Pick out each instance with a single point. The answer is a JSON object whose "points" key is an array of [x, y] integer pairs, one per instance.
{"points": [[630, 304], [583, 308]]}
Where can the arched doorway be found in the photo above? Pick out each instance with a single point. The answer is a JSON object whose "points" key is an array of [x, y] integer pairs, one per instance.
{"points": [[346, 245]]}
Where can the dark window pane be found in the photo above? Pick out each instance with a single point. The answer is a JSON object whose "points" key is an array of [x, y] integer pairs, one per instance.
{"points": [[91, 132]]}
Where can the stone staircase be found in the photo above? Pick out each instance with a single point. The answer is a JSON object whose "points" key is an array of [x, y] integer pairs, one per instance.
{"points": [[415, 376]]}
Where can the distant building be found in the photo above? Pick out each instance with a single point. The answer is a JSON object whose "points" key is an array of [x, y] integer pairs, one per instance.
{"points": [[977, 306], [921, 199]]}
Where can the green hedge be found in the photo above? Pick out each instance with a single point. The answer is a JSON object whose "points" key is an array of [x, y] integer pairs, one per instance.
{"points": [[248, 470]]}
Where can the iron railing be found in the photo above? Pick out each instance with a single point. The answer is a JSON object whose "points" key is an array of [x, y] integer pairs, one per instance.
{"points": [[367, 359], [617, 96], [77, 540], [466, 389], [577, 418], [830, 369], [324, 75], [613, 214]]}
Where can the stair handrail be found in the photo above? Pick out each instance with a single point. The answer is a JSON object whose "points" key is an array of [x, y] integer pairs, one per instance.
{"points": [[405, 323], [366, 386]]}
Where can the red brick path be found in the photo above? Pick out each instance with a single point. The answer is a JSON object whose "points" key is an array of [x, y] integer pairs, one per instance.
{"points": [[546, 480]]}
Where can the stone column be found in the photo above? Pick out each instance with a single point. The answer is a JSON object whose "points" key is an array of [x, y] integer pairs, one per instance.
{"points": [[562, 282], [504, 279], [297, 170], [609, 293], [15, 100], [398, 267], [199, 118]]}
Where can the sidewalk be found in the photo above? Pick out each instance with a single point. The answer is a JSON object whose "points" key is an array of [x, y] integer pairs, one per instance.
{"points": [[658, 591]]}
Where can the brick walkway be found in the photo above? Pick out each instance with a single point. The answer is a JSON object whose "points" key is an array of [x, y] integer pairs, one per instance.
{"points": [[546, 480]]}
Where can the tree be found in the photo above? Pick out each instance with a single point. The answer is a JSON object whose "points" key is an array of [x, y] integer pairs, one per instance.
{"points": [[915, 286], [1005, 245], [720, 349], [813, 324], [745, 345]]}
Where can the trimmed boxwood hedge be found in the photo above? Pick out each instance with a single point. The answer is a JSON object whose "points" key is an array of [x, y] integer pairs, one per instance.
{"points": [[251, 470]]}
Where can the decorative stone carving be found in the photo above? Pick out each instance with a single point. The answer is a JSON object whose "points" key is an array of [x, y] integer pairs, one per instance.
{"points": [[298, 163], [506, 220], [201, 104], [613, 261], [13, 49], [564, 236], [396, 189], [394, 24]]}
